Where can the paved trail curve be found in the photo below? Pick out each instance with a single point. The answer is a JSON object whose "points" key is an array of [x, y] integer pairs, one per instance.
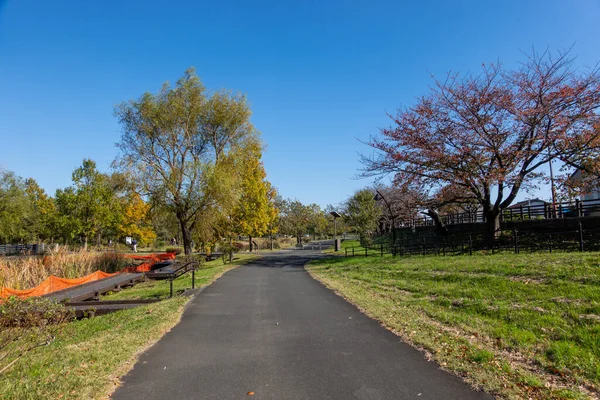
{"points": [[269, 328]]}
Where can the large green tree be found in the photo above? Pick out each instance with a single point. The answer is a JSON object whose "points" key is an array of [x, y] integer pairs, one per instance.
{"points": [[173, 142], [89, 207], [41, 222], [294, 219], [362, 213], [15, 208]]}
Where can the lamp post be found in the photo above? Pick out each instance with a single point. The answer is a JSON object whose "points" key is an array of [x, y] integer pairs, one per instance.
{"points": [[379, 196], [335, 215]]}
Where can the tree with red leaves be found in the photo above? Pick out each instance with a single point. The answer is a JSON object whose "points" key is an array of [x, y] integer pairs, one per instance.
{"points": [[489, 134]]}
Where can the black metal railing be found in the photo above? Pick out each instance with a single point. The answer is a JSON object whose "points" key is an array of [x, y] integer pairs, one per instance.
{"points": [[508, 241], [518, 212]]}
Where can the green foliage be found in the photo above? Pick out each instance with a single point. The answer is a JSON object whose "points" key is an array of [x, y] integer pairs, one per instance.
{"points": [[362, 213], [15, 208], [177, 144], [111, 262], [90, 207], [176, 250]]}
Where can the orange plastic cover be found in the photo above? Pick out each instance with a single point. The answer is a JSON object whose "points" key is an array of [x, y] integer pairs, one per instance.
{"points": [[54, 283]]}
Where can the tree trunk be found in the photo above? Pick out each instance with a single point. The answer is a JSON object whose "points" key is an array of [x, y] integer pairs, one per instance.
{"points": [[492, 224], [250, 243], [439, 224], [230, 250], [187, 238]]}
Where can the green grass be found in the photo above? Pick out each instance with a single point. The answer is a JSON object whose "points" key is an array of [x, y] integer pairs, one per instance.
{"points": [[518, 326], [89, 356], [346, 244]]}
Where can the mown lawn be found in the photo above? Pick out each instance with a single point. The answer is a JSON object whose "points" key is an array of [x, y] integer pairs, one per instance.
{"points": [[88, 357], [518, 326]]}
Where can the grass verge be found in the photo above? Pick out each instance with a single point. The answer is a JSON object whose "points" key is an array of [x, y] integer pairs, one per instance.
{"points": [[517, 326], [88, 357]]}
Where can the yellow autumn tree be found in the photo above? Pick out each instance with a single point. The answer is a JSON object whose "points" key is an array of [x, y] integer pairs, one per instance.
{"points": [[254, 210], [135, 221]]}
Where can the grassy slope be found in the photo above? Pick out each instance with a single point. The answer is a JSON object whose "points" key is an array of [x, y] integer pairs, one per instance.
{"points": [[520, 326], [89, 356]]}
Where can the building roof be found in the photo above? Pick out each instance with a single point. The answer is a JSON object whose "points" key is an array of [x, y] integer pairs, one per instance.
{"points": [[526, 203]]}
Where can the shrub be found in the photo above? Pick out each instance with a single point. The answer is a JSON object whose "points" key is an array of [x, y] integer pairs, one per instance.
{"points": [[176, 250], [111, 262], [34, 312]]}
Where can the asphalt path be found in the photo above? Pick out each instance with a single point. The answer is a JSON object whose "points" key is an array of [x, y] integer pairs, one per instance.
{"points": [[269, 328]]}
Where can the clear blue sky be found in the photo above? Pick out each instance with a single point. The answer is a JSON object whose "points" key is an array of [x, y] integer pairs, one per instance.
{"points": [[319, 74]]}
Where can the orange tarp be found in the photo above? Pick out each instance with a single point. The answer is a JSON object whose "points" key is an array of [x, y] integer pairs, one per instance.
{"points": [[147, 266], [54, 283]]}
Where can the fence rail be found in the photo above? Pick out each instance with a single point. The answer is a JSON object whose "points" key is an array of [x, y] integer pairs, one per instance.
{"points": [[518, 212], [512, 241], [9, 249]]}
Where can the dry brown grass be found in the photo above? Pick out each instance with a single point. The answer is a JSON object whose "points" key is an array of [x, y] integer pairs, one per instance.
{"points": [[24, 272]]}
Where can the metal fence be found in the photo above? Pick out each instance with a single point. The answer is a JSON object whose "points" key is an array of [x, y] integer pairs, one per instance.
{"points": [[509, 241], [13, 249], [518, 212]]}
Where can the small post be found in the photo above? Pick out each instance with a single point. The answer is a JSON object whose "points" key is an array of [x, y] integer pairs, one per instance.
{"points": [[470, 245], [560, 210], [521, 211], [580, 236]]}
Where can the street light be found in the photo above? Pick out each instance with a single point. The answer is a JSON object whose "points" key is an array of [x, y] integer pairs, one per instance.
{"points": [[335, 215], [379, 196]]}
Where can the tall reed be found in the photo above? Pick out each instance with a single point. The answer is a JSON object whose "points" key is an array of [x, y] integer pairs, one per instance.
{"points": [[24, 272]]}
